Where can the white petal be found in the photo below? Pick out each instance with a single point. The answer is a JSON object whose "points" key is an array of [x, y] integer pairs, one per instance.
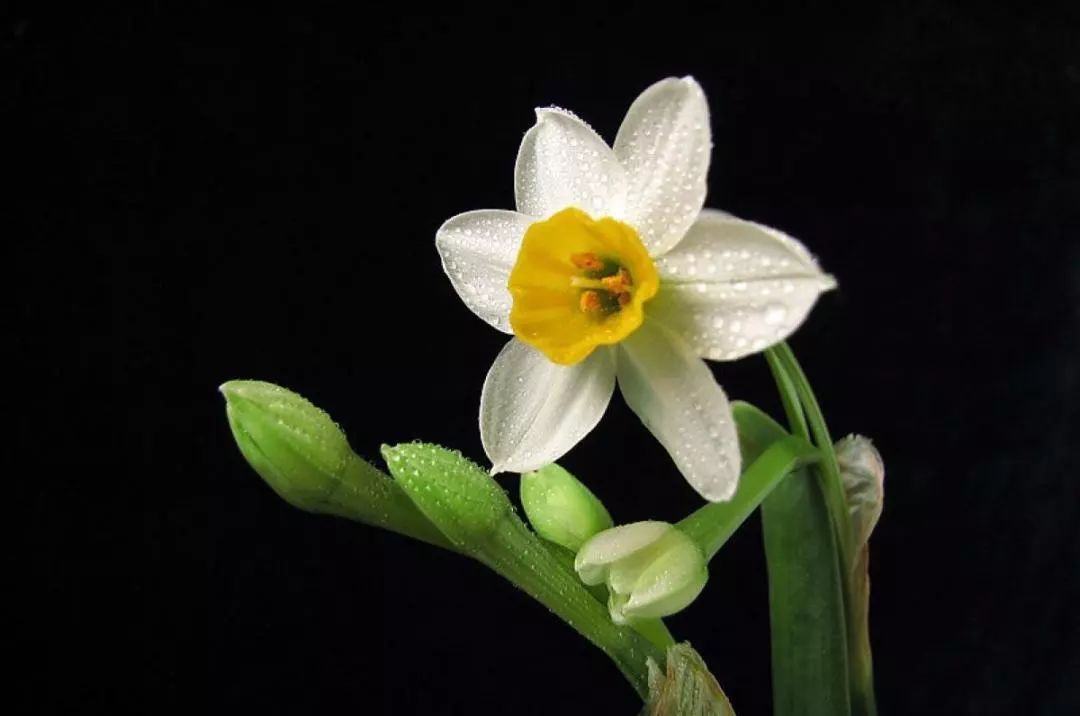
{"points": [[671, 582], [599, 552], [532, 411], [562, 162], [478, 249], [733, 287], [676, 396], [664, 144]]}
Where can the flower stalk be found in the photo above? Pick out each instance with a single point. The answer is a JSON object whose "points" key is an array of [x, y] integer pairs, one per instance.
{"points": [[475, 514], [712, 525]]}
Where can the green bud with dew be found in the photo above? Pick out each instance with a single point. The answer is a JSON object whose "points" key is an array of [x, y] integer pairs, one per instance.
{"points": [[293, 445], [561, 509], [456, 494], [304, 456]]}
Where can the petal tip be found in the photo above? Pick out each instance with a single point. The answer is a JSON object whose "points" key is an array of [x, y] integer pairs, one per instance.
{"points": [[690, 82]]}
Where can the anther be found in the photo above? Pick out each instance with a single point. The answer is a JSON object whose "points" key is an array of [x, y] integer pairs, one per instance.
{"points": [[589, 302], [587, 261], [619, 283]]}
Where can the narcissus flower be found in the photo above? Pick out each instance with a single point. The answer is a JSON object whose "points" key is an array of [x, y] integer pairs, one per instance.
{"points": [[610, 269]]}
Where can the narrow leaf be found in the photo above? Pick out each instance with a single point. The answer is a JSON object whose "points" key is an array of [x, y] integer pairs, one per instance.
{"points": [[806, 609]]}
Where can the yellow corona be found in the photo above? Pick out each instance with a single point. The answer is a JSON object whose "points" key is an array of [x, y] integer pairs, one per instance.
{"points": [[579, 283]]}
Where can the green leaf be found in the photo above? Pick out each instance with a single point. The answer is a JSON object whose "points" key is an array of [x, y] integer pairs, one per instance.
{"points": [[806, 609], [806, 418], [466, 504]]}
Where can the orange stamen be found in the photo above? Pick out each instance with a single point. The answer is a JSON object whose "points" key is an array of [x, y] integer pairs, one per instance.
{"points": [[618, 283], [589, 301], [587, 261]]}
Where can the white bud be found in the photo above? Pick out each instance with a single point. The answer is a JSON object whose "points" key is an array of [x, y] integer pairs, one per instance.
{"points": [[651, 569]]}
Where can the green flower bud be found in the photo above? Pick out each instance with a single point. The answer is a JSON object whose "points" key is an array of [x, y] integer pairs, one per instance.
{"points": [[293, 445], [456, 494], [863, 473], [651, 569], [560, 508]]}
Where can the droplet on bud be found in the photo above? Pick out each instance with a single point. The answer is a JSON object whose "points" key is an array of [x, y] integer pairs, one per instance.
{"points": [[293, 445], [651, 569], [560, 508]]}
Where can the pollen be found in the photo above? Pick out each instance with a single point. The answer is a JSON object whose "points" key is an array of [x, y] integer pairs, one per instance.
{"points": [[587, 261], [619, 283], [590, 302], [579, 283]]}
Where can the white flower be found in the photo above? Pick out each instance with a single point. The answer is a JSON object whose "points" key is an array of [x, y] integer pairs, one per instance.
{"points": [[610, 268]]}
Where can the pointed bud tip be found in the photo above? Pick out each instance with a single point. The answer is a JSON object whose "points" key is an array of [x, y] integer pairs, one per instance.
{"points": [[231, 389], [561, 508], [293, 445], [456, 494]]}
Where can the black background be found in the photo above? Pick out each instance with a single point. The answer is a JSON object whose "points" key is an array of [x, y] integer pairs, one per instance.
{"points": [[207, 193]]}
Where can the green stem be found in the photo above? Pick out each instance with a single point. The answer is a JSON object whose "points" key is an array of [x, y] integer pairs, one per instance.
{"points": [[363, 493], [656, 631], [712, 525], [517, 554], [789, 396], [463, 501], [832, 484], [652, 629]]}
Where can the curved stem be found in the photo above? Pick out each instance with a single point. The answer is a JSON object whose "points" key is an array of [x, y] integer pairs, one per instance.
{"points": [[789, 395], [712, 525], [832, 484], [516, 553], [475, 514]]}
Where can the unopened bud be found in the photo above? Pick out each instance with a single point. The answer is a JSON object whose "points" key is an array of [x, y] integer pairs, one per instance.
{"points": [[295, 447], [560, 508], [456, 494], [863, 474], [651, 569]]}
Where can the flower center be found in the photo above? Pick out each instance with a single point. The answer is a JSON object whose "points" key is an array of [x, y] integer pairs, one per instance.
{"points": [[579, 283]]}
